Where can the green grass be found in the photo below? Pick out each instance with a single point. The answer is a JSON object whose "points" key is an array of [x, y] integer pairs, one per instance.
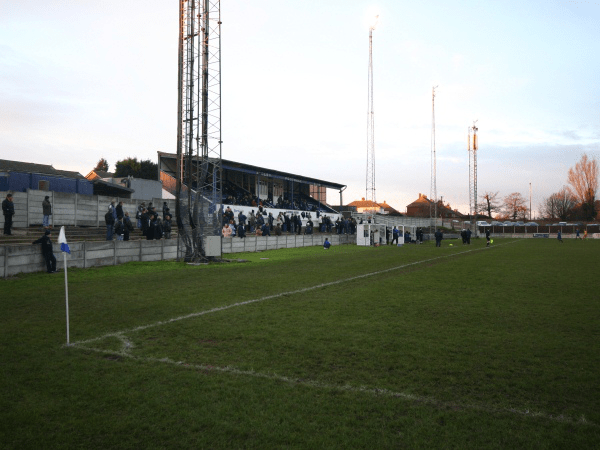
{"points": [[416, 347]]}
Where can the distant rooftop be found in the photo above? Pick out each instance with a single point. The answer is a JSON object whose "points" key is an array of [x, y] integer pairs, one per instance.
{"points": [[19, 166]]}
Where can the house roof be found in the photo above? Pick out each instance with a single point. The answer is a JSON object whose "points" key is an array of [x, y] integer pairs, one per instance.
{"points": [[95, 174], [19, 166], [389, 208], [371, 204], [423, 202], [365, 204]]}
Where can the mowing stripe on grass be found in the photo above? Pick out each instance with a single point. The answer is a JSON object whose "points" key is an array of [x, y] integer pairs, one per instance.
{"points": [[119, 334], [489, 409]]}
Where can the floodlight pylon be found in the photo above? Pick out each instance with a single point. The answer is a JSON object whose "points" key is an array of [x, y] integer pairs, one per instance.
{"points": [[199, 166]]}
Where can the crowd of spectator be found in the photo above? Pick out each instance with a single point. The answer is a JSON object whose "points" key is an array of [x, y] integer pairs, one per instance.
{"points": [[119, 224], [234, 195], [264, 223]]}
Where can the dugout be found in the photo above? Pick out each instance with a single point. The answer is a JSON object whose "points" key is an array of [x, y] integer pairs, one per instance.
{"points": [[370, 234]]}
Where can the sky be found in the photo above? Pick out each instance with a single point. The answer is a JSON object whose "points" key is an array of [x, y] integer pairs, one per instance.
{"points": [[80, 81]]}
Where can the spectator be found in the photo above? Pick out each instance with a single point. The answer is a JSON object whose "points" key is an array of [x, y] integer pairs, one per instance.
{"points": [[166, 210], [110, 222], [241, 230], [119, 228], [145, 222], [47, 251], [438, 238], [265, 230], [127, 226], [138, 214], [119, 210], [326, 244], [395, 235], [167, 226], [8, 209], [158, 229], [46, 211], [226, 231]]}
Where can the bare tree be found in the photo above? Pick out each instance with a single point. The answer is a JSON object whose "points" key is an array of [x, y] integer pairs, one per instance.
{"points": [[489, 204], [515, 206], [583, 179], [560, 205], [102, 165]]}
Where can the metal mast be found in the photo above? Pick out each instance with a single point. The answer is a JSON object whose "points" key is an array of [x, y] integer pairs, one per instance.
{"points": [[199, 125], [370, 189], [433, 189], [473, 176]]}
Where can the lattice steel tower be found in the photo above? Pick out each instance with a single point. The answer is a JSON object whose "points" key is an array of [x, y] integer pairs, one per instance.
{"points": [[473, 177], [370, 189], [433, 189], [199, 165]]}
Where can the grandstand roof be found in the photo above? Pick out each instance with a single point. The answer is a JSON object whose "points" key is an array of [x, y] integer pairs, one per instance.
{"points": [[263, 171]]}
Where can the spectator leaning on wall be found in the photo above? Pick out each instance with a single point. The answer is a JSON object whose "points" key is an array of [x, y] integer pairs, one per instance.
{"points": [[47, 251]]}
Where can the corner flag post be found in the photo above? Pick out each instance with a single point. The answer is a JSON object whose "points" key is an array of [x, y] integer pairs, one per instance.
{"points": [[64, 247]]}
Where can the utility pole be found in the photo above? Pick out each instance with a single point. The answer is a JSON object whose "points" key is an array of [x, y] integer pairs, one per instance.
{"points": [[370, 188]]}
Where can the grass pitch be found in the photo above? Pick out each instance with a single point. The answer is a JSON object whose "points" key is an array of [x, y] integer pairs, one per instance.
{"points": [[459, 347]]}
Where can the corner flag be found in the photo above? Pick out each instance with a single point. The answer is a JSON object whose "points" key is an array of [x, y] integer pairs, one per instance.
{"points": [[64, 247], [62, 240]]}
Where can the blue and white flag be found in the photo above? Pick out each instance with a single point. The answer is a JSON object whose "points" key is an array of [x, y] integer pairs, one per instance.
{"points": [[62, 240]]}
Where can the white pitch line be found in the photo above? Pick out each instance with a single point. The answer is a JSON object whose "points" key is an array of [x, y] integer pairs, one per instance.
{"points": [[348, 388], [118, 334]]}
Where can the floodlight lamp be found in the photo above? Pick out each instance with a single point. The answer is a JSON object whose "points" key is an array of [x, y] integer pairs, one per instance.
{"points": [[374, 23]]}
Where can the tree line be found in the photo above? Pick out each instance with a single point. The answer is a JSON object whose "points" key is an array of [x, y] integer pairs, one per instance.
{"points": [[145, 169], [574, 201]]}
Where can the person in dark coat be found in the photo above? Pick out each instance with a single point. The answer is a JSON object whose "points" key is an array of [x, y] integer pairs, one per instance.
{"points": [[241, 230], [47, 251], [265, 230], [145, 222], [438, 238], [110, 223], [127, 226], [119, 229], [158, 228], [119, 210], [8, 209], [167, 226]]}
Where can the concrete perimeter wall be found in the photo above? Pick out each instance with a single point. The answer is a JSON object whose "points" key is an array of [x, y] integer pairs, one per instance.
{"points": [[71, 209], [15, 259], [259, 243]]}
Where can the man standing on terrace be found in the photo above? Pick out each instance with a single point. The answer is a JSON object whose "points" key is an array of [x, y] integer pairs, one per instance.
{"points": [[8, 209]]}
